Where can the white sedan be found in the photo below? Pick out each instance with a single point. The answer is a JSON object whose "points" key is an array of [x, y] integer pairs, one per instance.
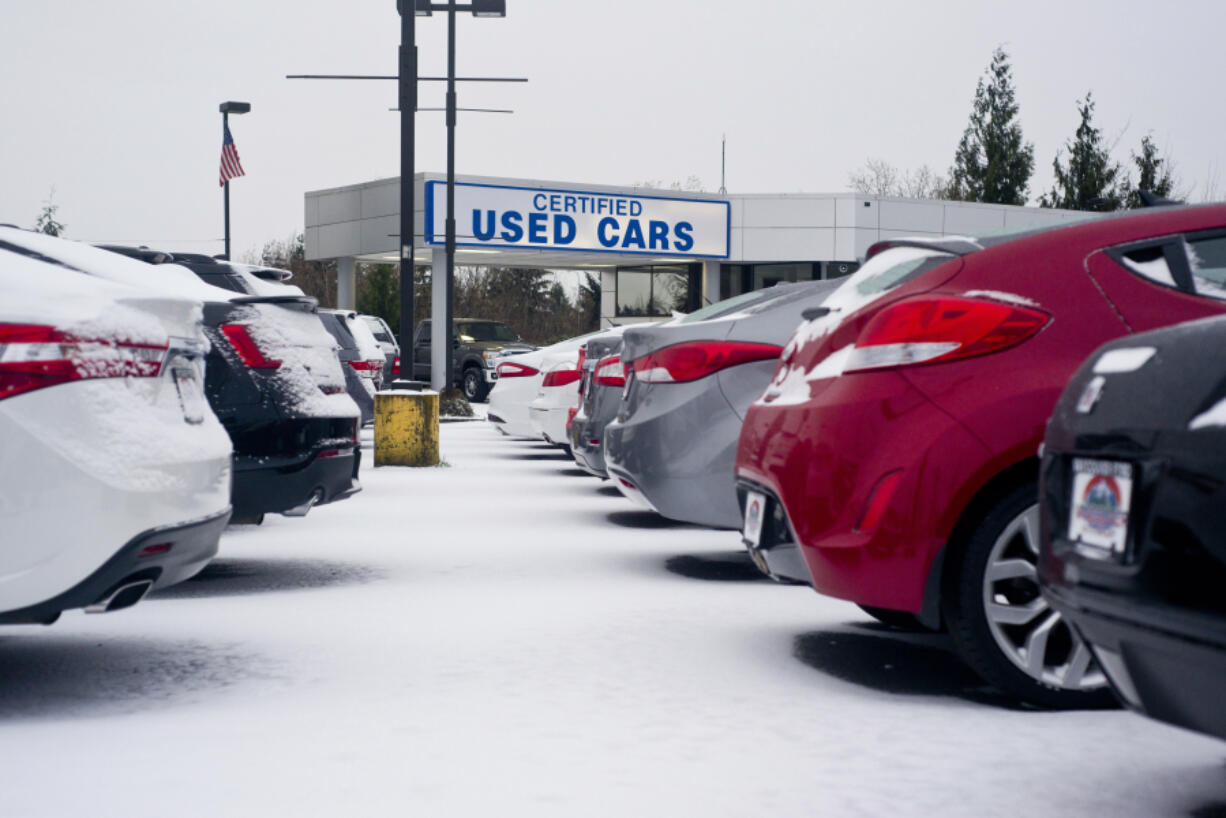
{"points": [[557, 398], [519, 381], [114, 472]]}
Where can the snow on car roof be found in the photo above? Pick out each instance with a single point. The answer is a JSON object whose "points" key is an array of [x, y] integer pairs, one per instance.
{"points": [[42, 292], [166, 279]]}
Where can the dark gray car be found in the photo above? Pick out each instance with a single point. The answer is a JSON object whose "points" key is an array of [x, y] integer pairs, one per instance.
{"points": [[601, 396], [360, 382], [673, 443]]}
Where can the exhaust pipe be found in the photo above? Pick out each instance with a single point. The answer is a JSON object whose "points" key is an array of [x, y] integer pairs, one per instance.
{"points": [[125, 595], [301, 511]]}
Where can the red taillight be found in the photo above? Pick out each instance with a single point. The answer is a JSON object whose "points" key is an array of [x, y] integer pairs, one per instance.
{"points": [[509, 369], [246, 348], [609, 372], [932, 329], [561, 377], [396, 366], [153, 550], [692, 360], [330, 453], [34, 357], [366, 369], [570, 417]]}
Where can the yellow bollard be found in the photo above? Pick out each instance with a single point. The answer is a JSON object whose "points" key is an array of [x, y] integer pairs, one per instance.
{"points": [[406, 428]]}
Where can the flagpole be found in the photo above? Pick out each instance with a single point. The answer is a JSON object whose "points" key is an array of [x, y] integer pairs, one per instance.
{"points": [[225, 124], [227, 108]]}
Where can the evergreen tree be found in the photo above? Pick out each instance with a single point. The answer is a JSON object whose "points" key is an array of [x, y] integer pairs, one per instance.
{"points": [[379, 293], [1091, 180], [1154, 172], [47, 223], [992, 163], [589, 302]]}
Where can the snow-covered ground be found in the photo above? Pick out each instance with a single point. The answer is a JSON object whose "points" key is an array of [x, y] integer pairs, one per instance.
{"points": [[507, 635]]}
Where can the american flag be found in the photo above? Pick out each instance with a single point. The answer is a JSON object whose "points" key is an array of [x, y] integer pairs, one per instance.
{"points": [[230, 166]]}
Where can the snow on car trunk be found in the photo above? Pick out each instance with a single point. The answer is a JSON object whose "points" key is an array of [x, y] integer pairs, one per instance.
{"points": [[310, 371]]}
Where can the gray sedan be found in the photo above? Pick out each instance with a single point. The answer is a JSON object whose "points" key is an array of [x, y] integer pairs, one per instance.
{"points": [[673, 443]]}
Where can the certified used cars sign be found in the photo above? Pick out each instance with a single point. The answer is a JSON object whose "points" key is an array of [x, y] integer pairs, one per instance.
{"points": [[543, 219]]}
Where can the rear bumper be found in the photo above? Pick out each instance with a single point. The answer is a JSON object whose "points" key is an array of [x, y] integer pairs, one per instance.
{"points": [[190, 547], [776, 554], [587, 446], [262, 487], [678, 449], [823, 460], [1161, 661]]}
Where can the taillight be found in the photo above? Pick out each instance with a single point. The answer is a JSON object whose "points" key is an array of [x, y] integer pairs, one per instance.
{"points": [[396, 366], [510, 369], [34, 357], [933, 329], [570, 417], [366, 369], [692, 360], [246, 348], [561, 377], [609, 372]]}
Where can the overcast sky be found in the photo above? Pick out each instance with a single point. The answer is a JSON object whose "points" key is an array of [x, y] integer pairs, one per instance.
{"points": [[113, 105]]}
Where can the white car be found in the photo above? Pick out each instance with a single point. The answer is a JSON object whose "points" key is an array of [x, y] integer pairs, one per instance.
{"points": [[114, 473], [557, 397], [519, 381]]}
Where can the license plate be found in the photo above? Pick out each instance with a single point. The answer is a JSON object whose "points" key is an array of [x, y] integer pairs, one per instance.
{"points": [[755, 513], [1102, 494], [191, 398]]}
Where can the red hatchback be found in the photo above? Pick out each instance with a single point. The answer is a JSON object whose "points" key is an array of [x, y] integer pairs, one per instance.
{"points": [[892, 461]]}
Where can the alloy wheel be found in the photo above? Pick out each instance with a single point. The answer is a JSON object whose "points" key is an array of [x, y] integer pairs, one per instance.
{"points": [[1027, 630]]}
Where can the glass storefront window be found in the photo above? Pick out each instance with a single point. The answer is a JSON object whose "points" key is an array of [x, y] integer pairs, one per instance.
{"points": [[652, 291], [768, 275], [634, 292]]}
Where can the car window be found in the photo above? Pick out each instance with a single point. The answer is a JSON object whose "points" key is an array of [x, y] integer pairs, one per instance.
{"points": [[728, 305], [1207, 258], [1150, 262], [872, 280], [470, 331], [378, 328]]}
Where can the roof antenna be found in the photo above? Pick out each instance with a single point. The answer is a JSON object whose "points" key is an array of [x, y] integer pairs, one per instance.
{"points": [[723, 165]]}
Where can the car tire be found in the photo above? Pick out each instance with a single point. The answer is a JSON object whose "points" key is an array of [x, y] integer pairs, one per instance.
{"points": [[474, 385], [1001, 624], [899, 620], [246, 519]]}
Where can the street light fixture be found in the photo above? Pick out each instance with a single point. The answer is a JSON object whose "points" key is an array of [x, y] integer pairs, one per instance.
{"points": [[227, 108]]}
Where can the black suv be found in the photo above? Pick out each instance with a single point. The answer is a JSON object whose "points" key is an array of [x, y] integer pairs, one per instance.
{"points": [[273, 379], [478, 346]]}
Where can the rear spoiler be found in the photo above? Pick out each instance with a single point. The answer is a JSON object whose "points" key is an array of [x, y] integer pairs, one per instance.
{"points": [[284, 300], [955, 247]]}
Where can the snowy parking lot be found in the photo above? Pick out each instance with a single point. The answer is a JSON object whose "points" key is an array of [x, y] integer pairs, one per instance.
{"points": [[505, 634]]}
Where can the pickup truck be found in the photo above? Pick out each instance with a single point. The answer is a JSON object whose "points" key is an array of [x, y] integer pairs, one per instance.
{"points": [[478, 346]]}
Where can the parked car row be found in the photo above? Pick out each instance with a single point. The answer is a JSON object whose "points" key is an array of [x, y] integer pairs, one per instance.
{"points": [[165, 396], [879, 439]]}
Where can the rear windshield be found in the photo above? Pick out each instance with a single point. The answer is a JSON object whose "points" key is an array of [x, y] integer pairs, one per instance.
{"points": [[378, 328], [730, 305], [892, 268], [470, 331]]}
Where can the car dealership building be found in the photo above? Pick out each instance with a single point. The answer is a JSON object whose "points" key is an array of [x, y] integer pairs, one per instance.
{"points": [[656, 250]]}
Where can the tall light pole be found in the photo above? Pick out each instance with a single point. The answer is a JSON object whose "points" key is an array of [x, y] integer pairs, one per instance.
{"points": [[479, 8], [226, 109], [407, 76]]}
